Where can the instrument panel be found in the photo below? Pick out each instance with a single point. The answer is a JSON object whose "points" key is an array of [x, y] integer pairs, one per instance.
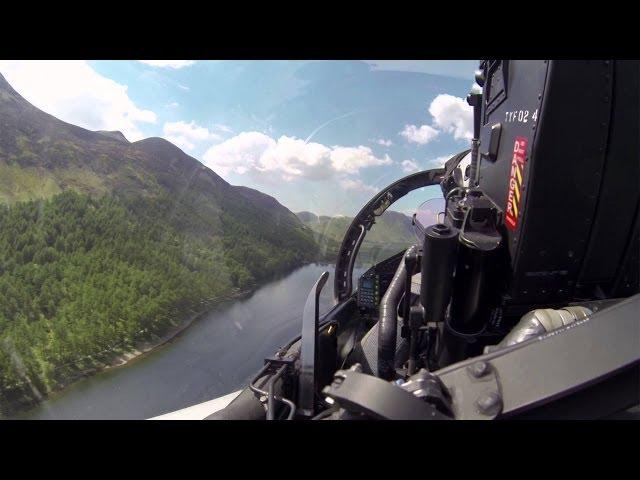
{"points": [[369, 290], [373, 283]]}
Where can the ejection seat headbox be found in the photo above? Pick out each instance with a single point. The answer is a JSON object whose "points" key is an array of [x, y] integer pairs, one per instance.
{"points": [[559, 154]]}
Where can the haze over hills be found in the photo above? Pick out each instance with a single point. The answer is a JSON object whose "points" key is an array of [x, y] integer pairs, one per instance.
{"points": [[391, 227], [105, 244], [391, 233]]}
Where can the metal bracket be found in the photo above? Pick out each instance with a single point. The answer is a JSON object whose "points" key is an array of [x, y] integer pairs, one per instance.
{"points": [[475, 392], [377, 398], [546, 368], [279, 361]]}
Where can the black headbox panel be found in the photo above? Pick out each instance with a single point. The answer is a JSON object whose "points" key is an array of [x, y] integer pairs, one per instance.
{"points": [[559, 155]]}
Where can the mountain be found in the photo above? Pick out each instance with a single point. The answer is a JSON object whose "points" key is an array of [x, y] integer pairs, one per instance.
{"points": [[307, 217], [106, 244], [114, 134], [391, 233], [41, 156], [391, 227], [280, 213]]}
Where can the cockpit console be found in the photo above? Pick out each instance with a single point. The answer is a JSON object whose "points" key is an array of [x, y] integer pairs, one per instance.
{"points": [[523, 286]]}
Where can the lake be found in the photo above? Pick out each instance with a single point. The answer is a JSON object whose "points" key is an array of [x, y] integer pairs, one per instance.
{"points": [[216, 355]]}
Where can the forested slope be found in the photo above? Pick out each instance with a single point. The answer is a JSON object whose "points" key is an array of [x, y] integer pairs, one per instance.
{"points": [[105, 244]]}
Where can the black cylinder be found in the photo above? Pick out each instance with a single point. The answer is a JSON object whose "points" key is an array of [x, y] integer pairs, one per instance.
{"points": [[438, 264], [470, 308]]}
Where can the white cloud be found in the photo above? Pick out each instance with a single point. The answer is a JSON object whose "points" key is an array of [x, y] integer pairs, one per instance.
{"points": [[421, 135], [409, 166], [186, 135], [293, 158], [172, 105], [384, 143], [238, 154], [288, 157], [352, 159], [72, 91], [183, 87], [358, 185], [175, 64], [452, 115]]}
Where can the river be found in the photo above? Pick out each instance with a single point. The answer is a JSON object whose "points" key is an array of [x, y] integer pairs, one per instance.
{"points": [[216, 355]]}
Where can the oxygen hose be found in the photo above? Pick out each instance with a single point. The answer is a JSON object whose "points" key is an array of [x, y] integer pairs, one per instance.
{"points": [[388, 328], [541, 321]]}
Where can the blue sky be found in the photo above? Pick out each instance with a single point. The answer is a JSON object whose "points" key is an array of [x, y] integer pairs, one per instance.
{"points": [[321, 136]]}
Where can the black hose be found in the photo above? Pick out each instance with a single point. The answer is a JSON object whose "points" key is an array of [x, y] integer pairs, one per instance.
{"points": [[388, 324], [244, 407], [413, 351], [325, 413], [410, 262]]}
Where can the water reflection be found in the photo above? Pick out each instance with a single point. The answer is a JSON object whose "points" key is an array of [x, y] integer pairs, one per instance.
{"points": [[216, 355]]}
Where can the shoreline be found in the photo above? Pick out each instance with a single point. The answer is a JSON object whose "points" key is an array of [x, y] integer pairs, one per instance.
{"points": [[130, 356], [149, 346]]}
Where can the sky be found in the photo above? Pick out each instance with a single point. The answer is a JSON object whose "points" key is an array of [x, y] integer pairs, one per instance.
{"points": [[320, 136]]}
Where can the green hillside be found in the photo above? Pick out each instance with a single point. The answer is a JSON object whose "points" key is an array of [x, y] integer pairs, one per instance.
{"points": [[391, 233], [105, 244]]}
